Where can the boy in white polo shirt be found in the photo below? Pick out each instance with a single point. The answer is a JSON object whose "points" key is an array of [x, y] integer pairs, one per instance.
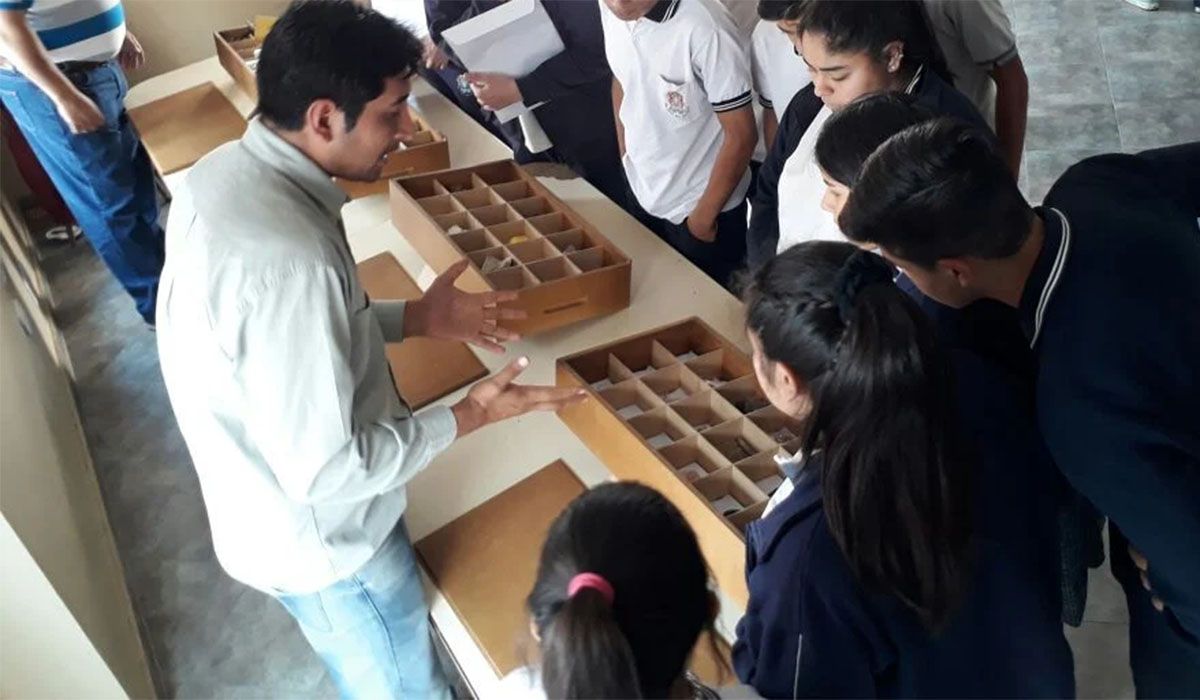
{"points": [[681, 91]]}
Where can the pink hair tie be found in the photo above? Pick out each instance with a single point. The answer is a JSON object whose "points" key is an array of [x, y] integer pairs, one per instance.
{"points": [[589, 580]]}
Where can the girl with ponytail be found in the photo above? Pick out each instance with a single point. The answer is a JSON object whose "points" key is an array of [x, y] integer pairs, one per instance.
{"points": [[620, 601], [912, 551]]}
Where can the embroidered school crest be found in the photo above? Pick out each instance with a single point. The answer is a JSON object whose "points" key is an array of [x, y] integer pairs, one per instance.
{"points": [[677, 106]]}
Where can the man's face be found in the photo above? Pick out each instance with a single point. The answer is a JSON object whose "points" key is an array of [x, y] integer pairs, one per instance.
{"points": [[944, 282], [629, 10], [382, 126]]}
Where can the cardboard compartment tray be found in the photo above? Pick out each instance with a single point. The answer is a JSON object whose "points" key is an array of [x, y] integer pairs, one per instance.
{"points": [[518, 236], [679, 408]]}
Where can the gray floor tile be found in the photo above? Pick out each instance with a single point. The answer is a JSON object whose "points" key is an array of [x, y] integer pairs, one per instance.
{"points": [[1101, 660], [1081, 126], [1067, 84], [1158, 123], [1054, 44], [1077, 16], [1177, 39], [1152, 81], [1118, 12]]}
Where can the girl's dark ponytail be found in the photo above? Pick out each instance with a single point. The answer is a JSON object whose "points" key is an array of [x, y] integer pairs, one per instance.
{"points": [[585, 653], [894, 482]]}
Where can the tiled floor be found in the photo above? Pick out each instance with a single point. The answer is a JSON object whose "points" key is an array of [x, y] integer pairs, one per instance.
{"points": [[1104, 76]]}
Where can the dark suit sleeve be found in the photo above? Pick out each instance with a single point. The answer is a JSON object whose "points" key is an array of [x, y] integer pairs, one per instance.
{"points": [[1177, 168], [443, 14], [581, 63], [762, 236]]}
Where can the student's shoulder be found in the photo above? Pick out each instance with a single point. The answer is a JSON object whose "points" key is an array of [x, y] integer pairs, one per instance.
{"points": [[943, 99]]}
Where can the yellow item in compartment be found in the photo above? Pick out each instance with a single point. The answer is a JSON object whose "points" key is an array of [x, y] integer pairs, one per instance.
{"points": [[517, 239], [262, 26]]}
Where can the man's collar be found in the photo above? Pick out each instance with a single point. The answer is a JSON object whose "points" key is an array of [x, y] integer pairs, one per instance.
{"points": [[662, 11], [1046, 273], [268, 146]]}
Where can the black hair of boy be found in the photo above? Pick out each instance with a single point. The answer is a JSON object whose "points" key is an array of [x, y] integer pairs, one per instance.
{"points": [[846, 140], [777, 10], [936, 190], [894, 481], [330, 49], [868, 26], [639, 645]]}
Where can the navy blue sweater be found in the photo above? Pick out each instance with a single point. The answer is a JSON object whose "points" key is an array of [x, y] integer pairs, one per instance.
{"points": [[1112, 309], [762, 237], [811, 630]]}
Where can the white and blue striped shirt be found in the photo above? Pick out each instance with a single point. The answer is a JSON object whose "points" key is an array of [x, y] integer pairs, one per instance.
{"points": [[74, 30]]}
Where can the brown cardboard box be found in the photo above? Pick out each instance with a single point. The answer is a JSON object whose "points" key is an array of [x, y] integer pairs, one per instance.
{"points": [[679, 408], [182, 128], [563, 269], [234, 48]]}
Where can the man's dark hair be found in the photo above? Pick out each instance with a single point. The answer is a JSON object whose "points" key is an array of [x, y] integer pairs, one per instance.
{"points": [[776, 10], [936, 190], [334, 50]]}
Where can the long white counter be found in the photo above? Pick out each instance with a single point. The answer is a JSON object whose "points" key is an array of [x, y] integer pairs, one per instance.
{"points": [[666, 288]]}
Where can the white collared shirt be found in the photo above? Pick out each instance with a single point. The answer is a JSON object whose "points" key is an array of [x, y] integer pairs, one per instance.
{"points": [[976, 37], [677, 74], [274, 363]]}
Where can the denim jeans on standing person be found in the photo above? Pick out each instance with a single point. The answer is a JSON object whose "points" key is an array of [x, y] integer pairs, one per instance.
{"points": [[105, 176], [372, 629]]}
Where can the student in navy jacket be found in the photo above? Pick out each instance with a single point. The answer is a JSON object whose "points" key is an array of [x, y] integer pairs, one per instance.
{"points": [[576, 86], [1106, 279], [905, 560], [852, 49]]}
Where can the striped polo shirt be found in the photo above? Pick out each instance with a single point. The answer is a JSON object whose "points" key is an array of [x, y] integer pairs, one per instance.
{"points": [[75, 30]]}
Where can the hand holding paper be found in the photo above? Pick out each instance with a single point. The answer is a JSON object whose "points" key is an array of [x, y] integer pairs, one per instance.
{"points": [[494, 90]]}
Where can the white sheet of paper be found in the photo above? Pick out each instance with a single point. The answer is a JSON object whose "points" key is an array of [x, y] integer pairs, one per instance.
{"points": [[513, 38], [602, 384], [660, 441], [692, 472], [726, 505], [689, 355], [769, 484], [631, 411]]}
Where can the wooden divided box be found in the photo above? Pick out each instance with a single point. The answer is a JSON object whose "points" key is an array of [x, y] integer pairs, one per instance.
{"points": [[237, 51], [679, 408], [517, 236]]}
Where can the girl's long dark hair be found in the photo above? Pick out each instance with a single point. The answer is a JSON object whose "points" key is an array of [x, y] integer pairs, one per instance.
{"points": [[852, 26], [639, 645], [894, 480]]}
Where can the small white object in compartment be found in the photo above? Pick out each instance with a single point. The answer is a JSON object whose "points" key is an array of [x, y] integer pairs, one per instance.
{"points": [[702, 427], [769, 484], [491, 264], [692, 472], [677, 395], [643, 372], [689, 355], [631, 411], [602, 384], [784, 435], [660, 441], [454, 228], [714, 382], [726, 505]]}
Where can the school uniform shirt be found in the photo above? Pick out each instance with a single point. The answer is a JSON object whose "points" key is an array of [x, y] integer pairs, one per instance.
{"points": [[1112, 311], [778, 74], [779, 222], [811, 629], [74, 30], [976, 37], [679, 66], [275, 365]]}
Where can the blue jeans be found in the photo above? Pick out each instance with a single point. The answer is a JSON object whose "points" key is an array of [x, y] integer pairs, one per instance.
{"points": [[372, 629], [104, 177]]}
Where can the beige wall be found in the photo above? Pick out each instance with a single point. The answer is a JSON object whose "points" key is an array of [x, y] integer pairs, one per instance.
{"points": [[46, 654], [178, 32], [51, 500]]}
